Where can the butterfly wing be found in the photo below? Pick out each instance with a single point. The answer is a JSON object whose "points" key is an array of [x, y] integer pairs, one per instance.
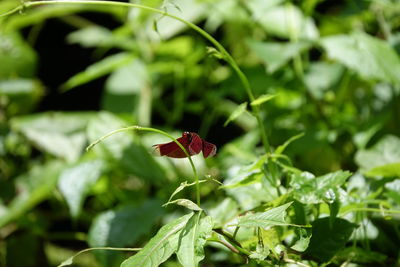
{"points": [[209, 150], [172, 149]]}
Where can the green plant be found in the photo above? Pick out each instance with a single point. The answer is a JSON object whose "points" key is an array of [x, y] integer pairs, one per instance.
{"points": [[326, 82]]}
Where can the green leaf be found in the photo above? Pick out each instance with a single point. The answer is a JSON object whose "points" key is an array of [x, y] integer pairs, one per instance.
{"points": [[262, 99], [182, 186], [192, 239], [261, 253], [236, 113], [388, 170], [272, 217], [327, 239], [161, 246], [286, 21], [275, 55], [321, 76], [312, 190], [393, 190], [370, 57], [360, 255], [91, 36], [61, 134], [33, 187], [97, 70], [17, 58], [123, 227], [121, 149], [21, 95], [223, 211], [128, 79], [246, 175], [382, 159], [304, 239], [75, 182], [185, 203], [279, 150]]}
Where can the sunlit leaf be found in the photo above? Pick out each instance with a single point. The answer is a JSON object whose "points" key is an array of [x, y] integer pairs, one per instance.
{"points": [[321, 76], [272, 217], [223, 211], [286, 21], [262, 99], [388, 170], [192, 239], [97, 70], [275, 55], [260, 254], [185, 203], [76, 182], [61, 134], [382, 159], [304, 239], [309, 189], [370, 57], [161, 246]]}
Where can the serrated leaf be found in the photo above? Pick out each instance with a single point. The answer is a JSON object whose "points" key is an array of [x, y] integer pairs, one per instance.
{"points": [[192, 239], [97, 70], [75, 182], [161, 246], [236, 113], [272, 217], [262, 99], [185, 203], [312, 190]]}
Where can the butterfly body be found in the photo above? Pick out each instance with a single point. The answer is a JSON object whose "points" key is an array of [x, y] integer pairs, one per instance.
{"points": [[193, 144]]}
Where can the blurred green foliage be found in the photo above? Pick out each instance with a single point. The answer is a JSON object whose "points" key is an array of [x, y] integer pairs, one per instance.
{"points": [[327, 69]]}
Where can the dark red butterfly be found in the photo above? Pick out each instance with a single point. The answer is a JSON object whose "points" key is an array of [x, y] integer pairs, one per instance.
{"points": [[193, 144]]}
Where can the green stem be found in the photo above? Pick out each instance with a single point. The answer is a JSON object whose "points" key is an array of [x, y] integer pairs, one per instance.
{"points": [[229, 59], [139, 128], [70, 260]]}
